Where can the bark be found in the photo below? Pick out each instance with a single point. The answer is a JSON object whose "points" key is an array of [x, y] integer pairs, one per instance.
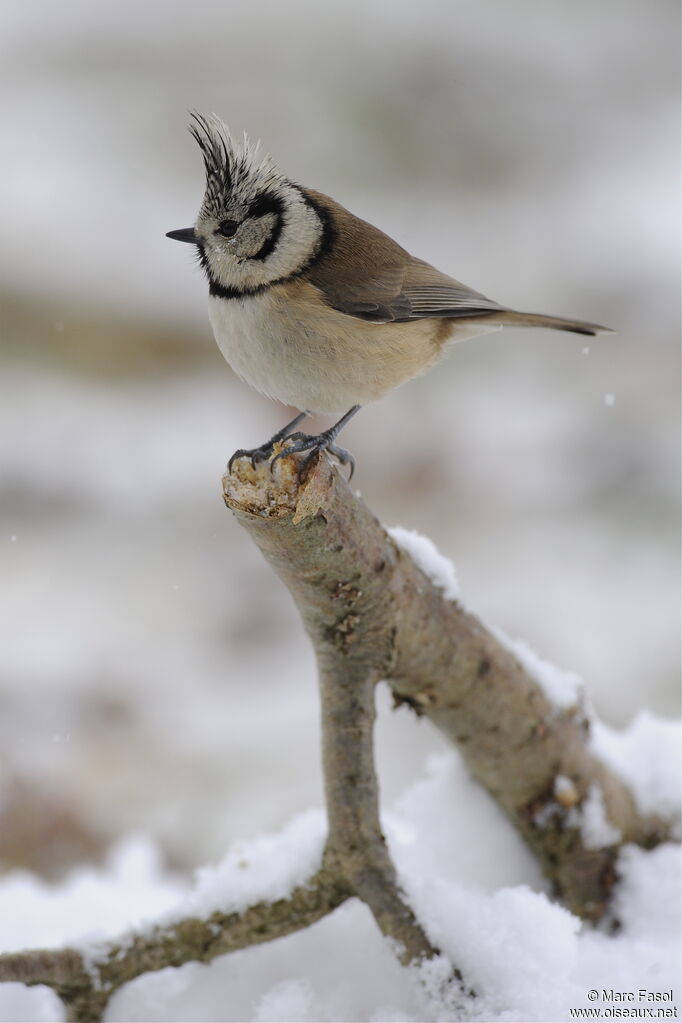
{"points": [[356, 849], [372, 614], [365, 603], [86, 983]]}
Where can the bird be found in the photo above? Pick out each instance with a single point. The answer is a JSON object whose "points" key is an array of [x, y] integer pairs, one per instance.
{"points": [[315, 307]]}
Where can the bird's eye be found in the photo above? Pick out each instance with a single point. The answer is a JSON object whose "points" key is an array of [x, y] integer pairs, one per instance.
{"points": [[228, 228]]}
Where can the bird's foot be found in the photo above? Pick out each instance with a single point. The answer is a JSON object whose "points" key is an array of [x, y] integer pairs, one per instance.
{"points": [[262, 453], [314, 443], [254, 455]]}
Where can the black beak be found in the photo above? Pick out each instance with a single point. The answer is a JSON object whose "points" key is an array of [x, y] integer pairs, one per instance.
{"points": [[184, 234]]}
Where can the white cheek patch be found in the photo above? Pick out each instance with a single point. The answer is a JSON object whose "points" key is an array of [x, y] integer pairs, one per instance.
{"points": [[299, 239], [235, 262]]}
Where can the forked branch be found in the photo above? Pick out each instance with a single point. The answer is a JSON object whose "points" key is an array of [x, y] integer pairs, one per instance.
{"points": [[372, 614], [364, 602]]}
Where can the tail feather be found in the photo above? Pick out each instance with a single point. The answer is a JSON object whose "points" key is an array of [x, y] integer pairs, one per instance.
{"points": [[513, 319]]}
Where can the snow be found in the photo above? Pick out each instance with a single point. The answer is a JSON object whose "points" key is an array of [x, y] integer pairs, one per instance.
{"points": [[426, 838], [565, 791], [515, 948], [646, 903], [641, 902], [289, 1001], [264, 869], [470, 878], [439, 569], [646, 756], [564, 689], [596, 830], [92, 904]]}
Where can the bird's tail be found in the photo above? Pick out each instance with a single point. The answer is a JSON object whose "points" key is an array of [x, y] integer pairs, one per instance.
{"points": [[509, 318]]}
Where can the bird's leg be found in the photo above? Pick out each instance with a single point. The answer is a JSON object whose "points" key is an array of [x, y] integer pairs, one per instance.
{"points": [[321, 442], [262, 453]]}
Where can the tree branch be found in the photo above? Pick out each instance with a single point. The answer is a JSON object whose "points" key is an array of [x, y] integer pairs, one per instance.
{"points": [[85, 984], [356, 848], [365, 600], [372, 614]]}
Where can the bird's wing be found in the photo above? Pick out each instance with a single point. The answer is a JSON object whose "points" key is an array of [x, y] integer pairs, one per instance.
{"points": [[412, 291], [377, 297], [432, 293], [368, 275]]}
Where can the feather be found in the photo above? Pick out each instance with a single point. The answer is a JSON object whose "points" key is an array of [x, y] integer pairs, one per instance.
{"points": [[368, 275]]}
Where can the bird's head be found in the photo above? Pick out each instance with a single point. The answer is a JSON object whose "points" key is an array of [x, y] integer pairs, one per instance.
{"points": [[255, 227]]}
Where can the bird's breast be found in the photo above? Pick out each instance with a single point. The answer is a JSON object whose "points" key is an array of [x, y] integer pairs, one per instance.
{"points": [[288, 344]]}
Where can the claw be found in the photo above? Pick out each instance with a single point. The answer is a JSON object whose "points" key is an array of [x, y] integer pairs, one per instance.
{"points": [[254, 455], [262, 453], [344, 457], [314, 444], [300, 442]]}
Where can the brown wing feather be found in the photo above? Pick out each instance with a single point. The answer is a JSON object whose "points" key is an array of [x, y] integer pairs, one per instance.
{"points": [[432, 293], [368, 275]]}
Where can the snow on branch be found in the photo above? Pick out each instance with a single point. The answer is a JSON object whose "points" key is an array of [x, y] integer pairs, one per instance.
{"points": [[86, 979], [389, 601], [380, 606]]}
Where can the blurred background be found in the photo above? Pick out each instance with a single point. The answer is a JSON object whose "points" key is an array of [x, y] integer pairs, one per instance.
{"points": [[153, 673]]}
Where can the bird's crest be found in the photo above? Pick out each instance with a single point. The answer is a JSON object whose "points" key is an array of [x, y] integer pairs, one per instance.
{"points": [[235, 168]]}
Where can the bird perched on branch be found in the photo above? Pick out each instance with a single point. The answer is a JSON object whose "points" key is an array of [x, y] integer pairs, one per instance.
{"points": [[313, 306]]}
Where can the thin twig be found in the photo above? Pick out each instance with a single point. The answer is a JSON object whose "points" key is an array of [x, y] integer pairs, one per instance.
{"points": [[85, 983]]}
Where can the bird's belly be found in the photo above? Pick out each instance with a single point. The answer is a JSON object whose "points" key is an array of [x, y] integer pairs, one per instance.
{"points": [[300, 351], [277, 354]]}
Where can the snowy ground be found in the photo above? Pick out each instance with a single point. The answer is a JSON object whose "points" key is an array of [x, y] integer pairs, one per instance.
{"points": [[468, 875]]}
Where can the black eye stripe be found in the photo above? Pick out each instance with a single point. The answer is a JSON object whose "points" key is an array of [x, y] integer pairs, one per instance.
{"points": [[265, 203], [260, 207]]}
